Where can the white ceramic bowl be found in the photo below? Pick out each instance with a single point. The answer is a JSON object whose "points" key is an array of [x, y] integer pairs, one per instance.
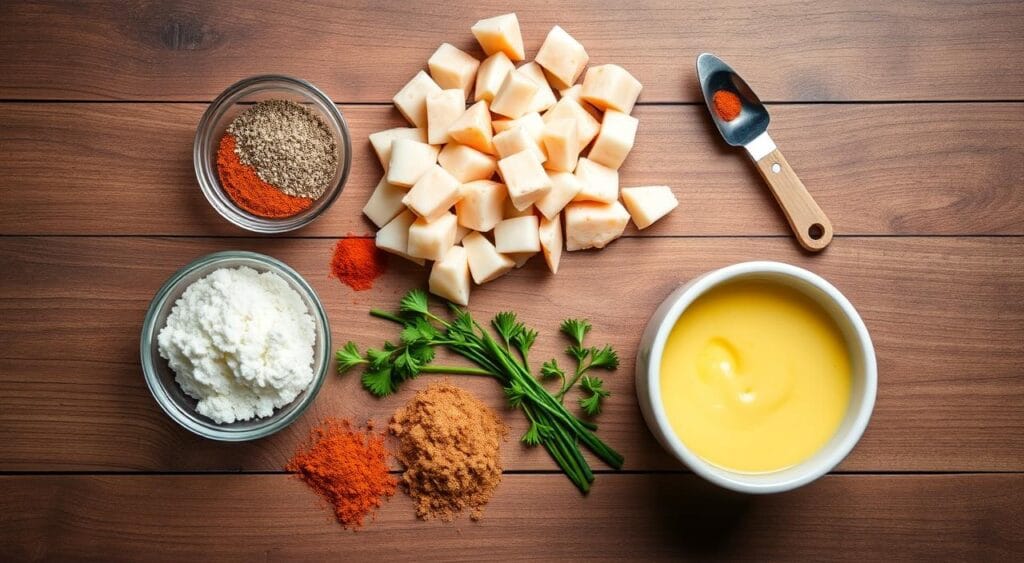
{"points": [[862, 396]]}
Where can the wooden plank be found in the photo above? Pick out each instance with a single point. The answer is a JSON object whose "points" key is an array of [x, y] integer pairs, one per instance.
{"points": [[635, 517], [789, 50], [928, 169], [943, 312]]}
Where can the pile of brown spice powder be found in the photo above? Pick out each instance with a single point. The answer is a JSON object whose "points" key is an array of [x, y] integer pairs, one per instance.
{"points": [[347, 467], [450, 445]]}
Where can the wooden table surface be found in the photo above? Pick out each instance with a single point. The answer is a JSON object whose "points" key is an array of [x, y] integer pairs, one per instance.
{"points": [[904, 119]]}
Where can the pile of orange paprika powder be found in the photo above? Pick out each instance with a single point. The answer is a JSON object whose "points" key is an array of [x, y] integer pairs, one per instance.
{"points": [[347, 468], [245, 187]]}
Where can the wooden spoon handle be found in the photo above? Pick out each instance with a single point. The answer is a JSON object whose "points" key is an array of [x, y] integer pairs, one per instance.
{"points": [[811, 226]]}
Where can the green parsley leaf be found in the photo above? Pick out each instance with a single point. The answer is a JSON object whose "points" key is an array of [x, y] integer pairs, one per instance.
{"points": [[379, 359], [524, 339], [605, 358], [378, 381], [407, 365], [417, 330], [532, 436], [551, 370], [507, 326], [349, 357], [576, 329], [592, 404], [415, 301], [463, 321], [577, 352]]}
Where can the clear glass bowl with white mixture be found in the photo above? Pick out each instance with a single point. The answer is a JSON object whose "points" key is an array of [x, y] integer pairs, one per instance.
{"points": [[160, 377]]}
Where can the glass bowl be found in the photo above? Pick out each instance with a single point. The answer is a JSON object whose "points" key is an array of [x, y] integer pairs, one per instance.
{"points": [[236, 99], [160, 377]]}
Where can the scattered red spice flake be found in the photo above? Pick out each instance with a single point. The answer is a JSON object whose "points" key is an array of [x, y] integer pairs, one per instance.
{"points": [[357, 262], [727, 105], [346, 467]]}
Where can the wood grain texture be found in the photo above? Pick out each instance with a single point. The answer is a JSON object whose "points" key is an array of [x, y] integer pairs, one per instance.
{"points": [[365, 51], [944, 315], [653, 517], [937, 169]]}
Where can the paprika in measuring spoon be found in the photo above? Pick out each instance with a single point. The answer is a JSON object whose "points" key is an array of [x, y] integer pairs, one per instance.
{"points": [[727, 105]]}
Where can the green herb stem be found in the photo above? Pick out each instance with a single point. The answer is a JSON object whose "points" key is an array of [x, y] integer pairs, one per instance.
{"points": [[457, 370], [381, 314]]}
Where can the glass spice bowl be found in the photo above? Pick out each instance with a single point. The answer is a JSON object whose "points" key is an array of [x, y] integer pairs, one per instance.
{"points": [[236, 99], [160, 378]]}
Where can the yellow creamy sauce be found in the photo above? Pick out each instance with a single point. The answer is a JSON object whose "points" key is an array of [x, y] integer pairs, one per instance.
{"points": [[755, 377]]}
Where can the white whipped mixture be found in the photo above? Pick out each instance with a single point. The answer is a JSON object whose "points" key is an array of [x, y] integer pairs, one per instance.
{"points": [[241, 342]]}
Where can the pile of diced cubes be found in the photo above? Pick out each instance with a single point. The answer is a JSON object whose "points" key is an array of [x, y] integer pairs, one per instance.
{"points": [[519, 132]]}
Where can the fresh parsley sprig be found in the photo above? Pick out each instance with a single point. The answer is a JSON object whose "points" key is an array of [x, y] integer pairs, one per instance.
{"points": [[505, 358], [586, 359]]}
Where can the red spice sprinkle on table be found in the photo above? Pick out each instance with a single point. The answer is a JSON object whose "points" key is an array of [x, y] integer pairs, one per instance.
{"points": [[347, 467], [357, 262]]}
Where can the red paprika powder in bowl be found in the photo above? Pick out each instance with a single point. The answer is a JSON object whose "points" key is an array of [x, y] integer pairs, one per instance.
{"points": [[261, 184]]}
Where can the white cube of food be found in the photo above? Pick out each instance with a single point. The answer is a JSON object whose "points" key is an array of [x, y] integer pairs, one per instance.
{"points": [[443, 108], [481, 205], [589, 224], [647, 204], [534, 125], [561, 144], [525, 178], [485, 262], [491, 75], [563, 57], [502, 124], [461, 232], [473, 128], [575, 93], [449, 277], [410, 160], [515, 95], [385, 204], [597, 182], [500, 33], [431, 239], [411, 100], [381, 141], [434, 194], [545, 96], [550, 234], [618, 132], [611, 87], [517, 235], [564, 187], [452, 67], [517, 139], [466, 163], [568, 108], [394, 237], [509, 211]]}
